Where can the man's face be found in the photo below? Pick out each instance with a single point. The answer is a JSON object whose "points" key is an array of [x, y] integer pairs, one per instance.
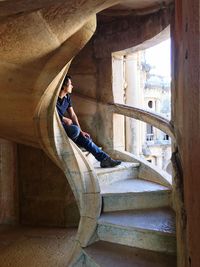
{"points": [[68, 88]]}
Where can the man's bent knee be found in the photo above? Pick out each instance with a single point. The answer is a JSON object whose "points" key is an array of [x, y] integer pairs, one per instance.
{"points": [[72, 131]]}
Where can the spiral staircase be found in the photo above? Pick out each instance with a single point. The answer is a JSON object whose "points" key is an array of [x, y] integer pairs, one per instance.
{"points": [[126, 213], [135, 223], [136, 226]]}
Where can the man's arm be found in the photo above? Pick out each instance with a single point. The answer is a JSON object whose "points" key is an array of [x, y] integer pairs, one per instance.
{"points": [[67, 121], [73, 116], [74, 120]]}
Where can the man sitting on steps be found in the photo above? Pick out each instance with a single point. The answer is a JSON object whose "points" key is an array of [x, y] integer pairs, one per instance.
{"points": [[73, 129]]}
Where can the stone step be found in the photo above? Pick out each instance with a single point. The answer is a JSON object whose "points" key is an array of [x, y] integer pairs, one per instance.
{"points": [[105, 254], [89, 156], [126, 170], [152, 229], [130, 194]]}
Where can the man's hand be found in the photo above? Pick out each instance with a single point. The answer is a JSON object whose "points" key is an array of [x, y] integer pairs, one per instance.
{"points": [[85, 134], [67, 121]]}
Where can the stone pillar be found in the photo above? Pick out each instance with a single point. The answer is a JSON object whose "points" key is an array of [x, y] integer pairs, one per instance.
{"points": [[159, 159], [118, 82], [118, 77], [134, 96]]}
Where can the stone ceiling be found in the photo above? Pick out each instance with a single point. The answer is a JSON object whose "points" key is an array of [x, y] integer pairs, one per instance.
{"points": [[126, 7], [136, 7]]}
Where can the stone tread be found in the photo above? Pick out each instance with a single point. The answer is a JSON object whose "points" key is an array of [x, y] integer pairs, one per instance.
{"points": [[122, 166], [131, 186], [106, 254], [160, 220]]}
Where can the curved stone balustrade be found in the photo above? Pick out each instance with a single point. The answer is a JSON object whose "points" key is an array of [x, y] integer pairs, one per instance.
{"points": [[146, 169], [71, 161], [67, 155], [149, 117]]}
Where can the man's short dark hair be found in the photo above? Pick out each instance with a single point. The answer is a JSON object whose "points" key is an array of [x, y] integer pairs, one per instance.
{"points": [[66, 80]]}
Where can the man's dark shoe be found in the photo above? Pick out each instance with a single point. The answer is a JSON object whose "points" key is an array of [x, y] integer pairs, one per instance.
{"points": [[109, 163]]}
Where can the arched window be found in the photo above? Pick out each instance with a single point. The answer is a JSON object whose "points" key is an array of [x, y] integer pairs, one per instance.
{"points": [[150, 104]]}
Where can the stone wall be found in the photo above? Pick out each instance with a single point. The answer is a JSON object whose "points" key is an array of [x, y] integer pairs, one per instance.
{"points": [[8, 183], [186, 114], [44, 194]]}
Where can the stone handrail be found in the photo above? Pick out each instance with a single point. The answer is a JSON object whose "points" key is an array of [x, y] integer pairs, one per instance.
{"points": [[146, 171], [149, 117]]}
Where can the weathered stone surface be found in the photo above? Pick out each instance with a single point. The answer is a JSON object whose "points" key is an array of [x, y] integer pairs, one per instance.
{"points": [[128, 31], [185, 97], [9, 202], [146, 170], [28, 246], [126, 170], [45, 195], [133, 194], [148, 229], [106, 254]]}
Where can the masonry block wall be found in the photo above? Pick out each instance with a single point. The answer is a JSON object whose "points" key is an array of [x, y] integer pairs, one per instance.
{"points": [[45, 196], [9, 194]]}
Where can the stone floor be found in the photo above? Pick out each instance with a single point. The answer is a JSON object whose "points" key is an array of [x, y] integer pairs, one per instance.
{"points": [[35, 247]]}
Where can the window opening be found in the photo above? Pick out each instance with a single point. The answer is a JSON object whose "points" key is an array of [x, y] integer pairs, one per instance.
{"points": [[150, 104], [142, 79]]}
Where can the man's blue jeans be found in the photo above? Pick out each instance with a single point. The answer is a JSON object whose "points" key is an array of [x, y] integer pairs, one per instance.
{"points": [[74, 132]]}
